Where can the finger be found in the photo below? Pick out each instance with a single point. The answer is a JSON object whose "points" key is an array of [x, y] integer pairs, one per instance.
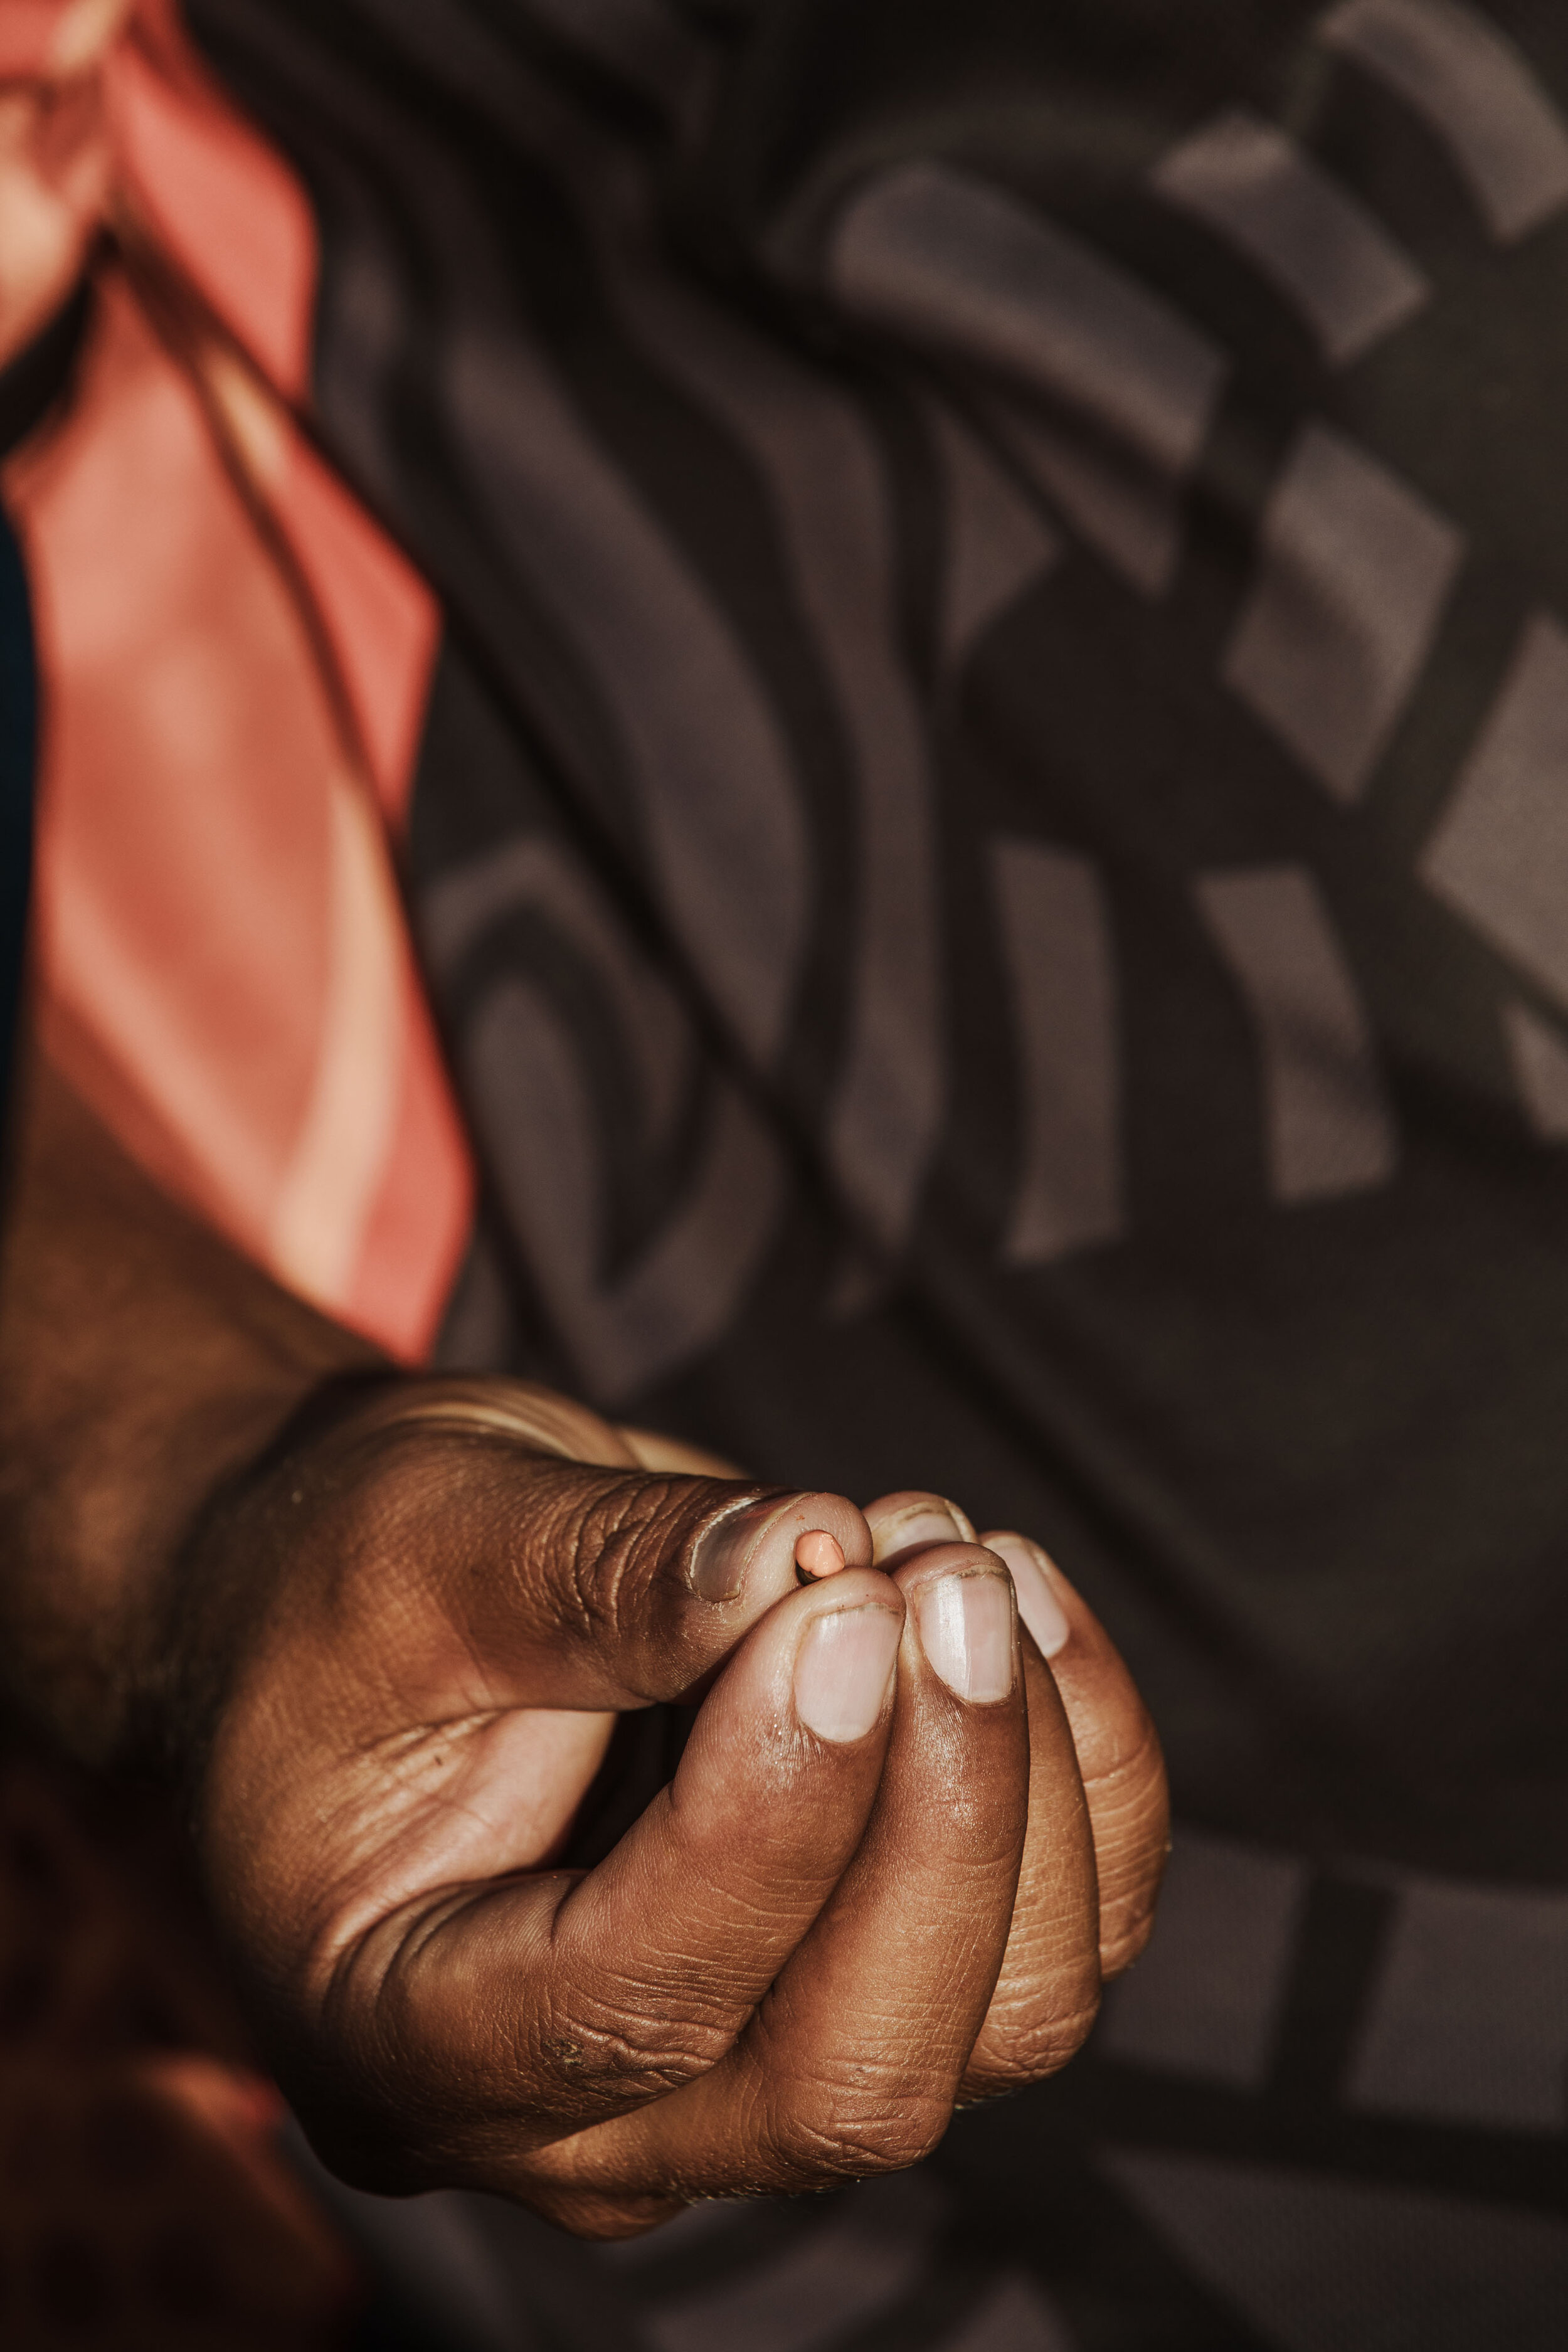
{"points": [[653, 1451], [904, 1523], [1118, 1751], [854, 2058], [491, 2019], [542, 1419], [1047, 1989], [517, 1578]]}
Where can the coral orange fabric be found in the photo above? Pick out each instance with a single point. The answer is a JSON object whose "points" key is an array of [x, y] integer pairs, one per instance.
{"points": [[234, 662]]}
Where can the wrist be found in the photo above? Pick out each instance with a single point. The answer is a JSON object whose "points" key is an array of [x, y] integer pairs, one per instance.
{"points": [[143, 1365]]}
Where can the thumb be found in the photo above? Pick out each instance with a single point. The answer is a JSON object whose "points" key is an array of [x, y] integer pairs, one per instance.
{"points": [[569, 1578]]}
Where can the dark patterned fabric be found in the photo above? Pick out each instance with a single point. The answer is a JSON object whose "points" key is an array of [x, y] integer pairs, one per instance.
{"points": [[993, 849]]}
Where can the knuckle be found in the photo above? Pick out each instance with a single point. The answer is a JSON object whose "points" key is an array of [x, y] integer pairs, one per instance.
{"points": [[593, 1541], [1129, 1812], [829, 2141], [619, 1540], [1011, 2059], [1129, 1786], [618, 2054]]}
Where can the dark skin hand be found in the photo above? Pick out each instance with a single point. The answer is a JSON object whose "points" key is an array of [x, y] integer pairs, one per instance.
{"points": [[381, 1626]]}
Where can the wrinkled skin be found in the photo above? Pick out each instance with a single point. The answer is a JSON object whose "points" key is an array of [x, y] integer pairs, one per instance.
{"points": [[384, 1644]]}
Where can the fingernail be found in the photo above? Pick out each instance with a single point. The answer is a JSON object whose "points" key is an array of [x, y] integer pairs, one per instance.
{"points": [[1039, 1607], [966, 1631], [924, 1519], [817, 1554], [843, 1670], [722, 1553]]}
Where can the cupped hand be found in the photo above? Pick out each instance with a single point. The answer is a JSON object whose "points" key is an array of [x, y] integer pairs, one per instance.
{"points": [[869, 1891]]}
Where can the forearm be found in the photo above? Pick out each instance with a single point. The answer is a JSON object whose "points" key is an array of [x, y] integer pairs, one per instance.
{"points": [[141, 1363]]}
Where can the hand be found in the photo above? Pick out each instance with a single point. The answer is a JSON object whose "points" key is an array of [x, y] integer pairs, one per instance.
{"points": [[389, 1661], [412, 1634]]}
